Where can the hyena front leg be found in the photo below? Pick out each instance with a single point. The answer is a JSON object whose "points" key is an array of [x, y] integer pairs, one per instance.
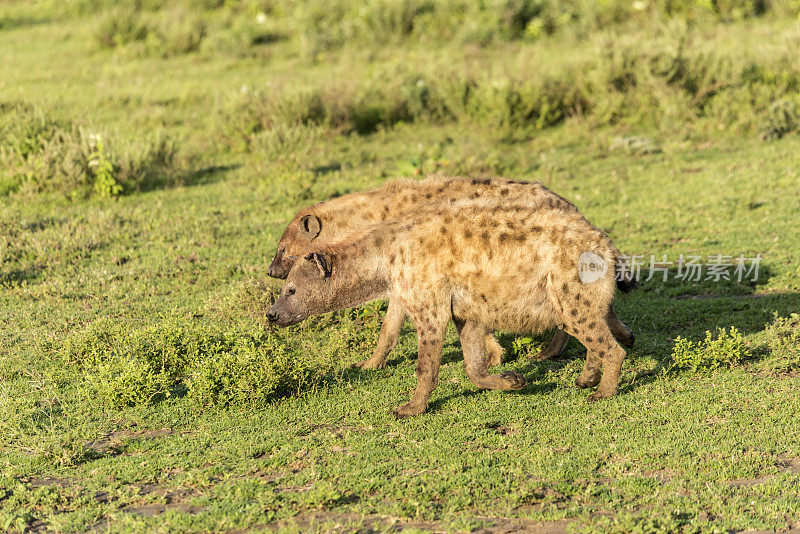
{"points": [[493, 350], [390, 333], [430, 333], [473, 343], [555, 346]]}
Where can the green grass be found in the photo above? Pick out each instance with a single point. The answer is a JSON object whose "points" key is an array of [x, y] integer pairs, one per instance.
{"points": [[139, 390]]}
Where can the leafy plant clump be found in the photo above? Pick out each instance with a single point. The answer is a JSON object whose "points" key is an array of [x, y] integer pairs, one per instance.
{"points": [[782, 118], [105, 182], [783, 345], [209, 366], [120, 26], [170, 32], [726, 350], [176, 31]]}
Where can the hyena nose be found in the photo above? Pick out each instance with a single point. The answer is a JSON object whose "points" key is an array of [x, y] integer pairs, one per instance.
{"points": [[272, 316]]}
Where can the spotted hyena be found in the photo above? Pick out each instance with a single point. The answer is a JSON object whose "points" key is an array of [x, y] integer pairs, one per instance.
{"points": [[486, 266], [341, 217]]}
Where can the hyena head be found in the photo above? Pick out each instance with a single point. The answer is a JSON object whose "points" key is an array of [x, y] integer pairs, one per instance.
{"points": [[295, 242], [308, 290]]}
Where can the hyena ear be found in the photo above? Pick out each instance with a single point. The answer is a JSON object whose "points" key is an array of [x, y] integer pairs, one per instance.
{"points": [[311, 225], [323, 262]]}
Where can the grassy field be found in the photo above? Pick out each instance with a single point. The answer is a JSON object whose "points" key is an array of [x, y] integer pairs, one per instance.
{"points": [[152, 153]]}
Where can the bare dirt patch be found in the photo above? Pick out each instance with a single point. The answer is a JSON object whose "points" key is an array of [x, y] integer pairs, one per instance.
{"points": [[168, 499], [114, 443], [787, 463], [37, 482]]}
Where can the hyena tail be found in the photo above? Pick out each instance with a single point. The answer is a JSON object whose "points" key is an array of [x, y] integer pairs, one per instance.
{"points": [[626, 282]]}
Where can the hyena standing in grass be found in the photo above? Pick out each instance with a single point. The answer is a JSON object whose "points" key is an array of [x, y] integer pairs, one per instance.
{"points": [[486, 266], [341, 217]]}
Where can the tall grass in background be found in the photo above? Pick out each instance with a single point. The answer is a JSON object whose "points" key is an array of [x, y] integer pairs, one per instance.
{"points": [[672, 83], [641, 65], [323, 25]]}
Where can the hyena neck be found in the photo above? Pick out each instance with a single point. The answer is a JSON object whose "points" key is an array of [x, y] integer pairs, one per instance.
{"points": [[358, 276]]}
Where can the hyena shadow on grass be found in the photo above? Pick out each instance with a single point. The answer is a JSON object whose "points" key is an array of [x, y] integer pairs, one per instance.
{"points": [[537, 384]]}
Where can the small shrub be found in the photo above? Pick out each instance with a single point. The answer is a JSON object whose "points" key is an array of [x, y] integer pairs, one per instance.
{"points": [[257, 369], [289, 140], [782, 118], [25, 130], [120, 26], [783, 344], [102, 169], [149, 162], [727, 349], [178, 31], [254, 112], [386, 20], [238, 33], [90, 346], [255, 297], [119, 382]]}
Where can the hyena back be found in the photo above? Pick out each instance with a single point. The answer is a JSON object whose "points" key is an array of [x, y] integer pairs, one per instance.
{"points": [[344, 216]]}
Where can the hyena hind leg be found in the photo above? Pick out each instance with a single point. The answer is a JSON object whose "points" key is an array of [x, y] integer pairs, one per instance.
{"points": [[591, 373], [602, 350], [473, 344], [553, 348], [493, 351], [621, 332]]}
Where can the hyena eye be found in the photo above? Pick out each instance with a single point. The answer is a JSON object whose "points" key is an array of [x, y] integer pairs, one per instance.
{"points": [[291, 291]]}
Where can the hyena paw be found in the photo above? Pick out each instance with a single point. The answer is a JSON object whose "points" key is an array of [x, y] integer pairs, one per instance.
{"points": [[370, 364], [545, 354], [588, 379], [515, 380], [408, 410], [494, 357], [597, 395]]}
